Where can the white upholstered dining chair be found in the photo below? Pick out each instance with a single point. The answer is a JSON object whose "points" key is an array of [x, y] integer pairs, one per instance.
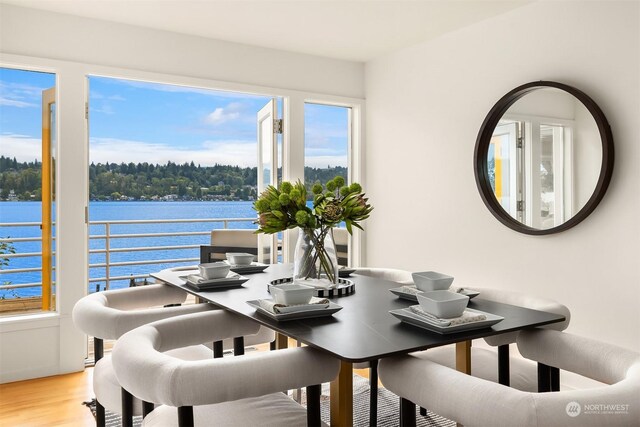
{"points": [[239, 391], [498, 364], [108, 315], [477, 402]]}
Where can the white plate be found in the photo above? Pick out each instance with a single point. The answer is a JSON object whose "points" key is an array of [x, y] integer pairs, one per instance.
{"points": [[185, 268], [232, 280], [254, 267], [407, 316], [300, 314], [412, 297]]}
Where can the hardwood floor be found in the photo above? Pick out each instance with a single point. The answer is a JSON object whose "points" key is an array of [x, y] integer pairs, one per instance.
{"points": [[50, 401]]}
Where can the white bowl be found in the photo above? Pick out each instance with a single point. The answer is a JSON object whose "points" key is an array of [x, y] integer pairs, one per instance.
{"points": [[431, 280], [214, 270], [443, 304], [291, 293], [240, 258]]}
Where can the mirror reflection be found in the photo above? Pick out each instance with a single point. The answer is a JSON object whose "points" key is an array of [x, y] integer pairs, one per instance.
{"points": [[544, 158]]}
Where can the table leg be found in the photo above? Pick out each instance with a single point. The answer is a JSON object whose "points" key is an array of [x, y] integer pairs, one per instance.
{"points": [[342, 397], [463, 359], [281, 341]]}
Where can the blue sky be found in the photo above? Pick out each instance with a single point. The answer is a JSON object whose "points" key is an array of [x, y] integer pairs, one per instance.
{"points": [[21, 112], [133, 121]]}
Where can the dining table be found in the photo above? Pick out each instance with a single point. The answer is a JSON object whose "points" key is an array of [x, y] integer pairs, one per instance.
{"points": [[362, 331]]}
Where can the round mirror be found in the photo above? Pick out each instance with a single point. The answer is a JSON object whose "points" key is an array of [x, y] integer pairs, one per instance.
{"points": [[543, 158]]}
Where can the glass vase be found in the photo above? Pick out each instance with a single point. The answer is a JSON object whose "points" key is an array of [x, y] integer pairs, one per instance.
{"points": [[315, 255]]}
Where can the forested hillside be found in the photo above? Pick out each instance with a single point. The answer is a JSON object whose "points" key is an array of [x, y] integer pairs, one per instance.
{"points": [[144, 181]]}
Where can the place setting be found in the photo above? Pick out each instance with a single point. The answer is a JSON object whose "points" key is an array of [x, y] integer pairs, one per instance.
{"points": [[430, 281], [291, 301], [244, 263], [214, 275], [442, 310]]}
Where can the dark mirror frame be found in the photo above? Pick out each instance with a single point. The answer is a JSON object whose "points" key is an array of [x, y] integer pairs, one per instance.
{"points": [[484, 139]]}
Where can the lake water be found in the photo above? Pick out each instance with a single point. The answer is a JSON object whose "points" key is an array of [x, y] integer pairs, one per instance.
{"points": [[109, 211]]}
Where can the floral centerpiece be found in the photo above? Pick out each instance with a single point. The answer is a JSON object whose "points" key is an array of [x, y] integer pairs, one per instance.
{"points": [[334, 203]]}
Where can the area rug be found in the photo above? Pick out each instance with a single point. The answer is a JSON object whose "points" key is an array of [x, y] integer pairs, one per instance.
{"points": [[388, 406]]}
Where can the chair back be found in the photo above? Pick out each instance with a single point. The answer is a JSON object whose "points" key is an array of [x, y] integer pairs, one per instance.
{"points": [[229, 240], [523, 300], [441, 389], [109, 314], [144, 369], [341, 239], [402, 277]]}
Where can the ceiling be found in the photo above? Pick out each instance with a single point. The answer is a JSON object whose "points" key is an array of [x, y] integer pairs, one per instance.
{"points": [[356, 30]]}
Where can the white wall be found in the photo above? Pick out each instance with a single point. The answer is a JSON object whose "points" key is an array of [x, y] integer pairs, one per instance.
{"points": [[52, 35], [49, 344], [425, 105]]}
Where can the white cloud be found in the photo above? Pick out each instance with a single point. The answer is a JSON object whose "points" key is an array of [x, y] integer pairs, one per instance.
{"points": [[224, 114], [23, 147], [229, 152], [15, 103], [20, 95]]}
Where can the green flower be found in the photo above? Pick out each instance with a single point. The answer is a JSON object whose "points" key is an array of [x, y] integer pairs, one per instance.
{"points": [[329, 194], [339, 181], [285, 187], [331, 186], [317, 188], [355, 188], [302, 217], [284, 199], [262, 205], [275, 205], [332, 212], [344, 191], [295, 194]]}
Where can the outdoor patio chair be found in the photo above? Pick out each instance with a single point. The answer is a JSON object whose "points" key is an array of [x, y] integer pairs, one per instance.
{"points": [[239, 391]]}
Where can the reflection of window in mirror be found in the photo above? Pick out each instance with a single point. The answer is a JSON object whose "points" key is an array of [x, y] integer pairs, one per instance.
{"points": [[503, 168], [524, 155]]}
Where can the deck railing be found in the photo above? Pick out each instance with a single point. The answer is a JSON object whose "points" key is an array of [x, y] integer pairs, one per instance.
{"points": [[108, 250]]}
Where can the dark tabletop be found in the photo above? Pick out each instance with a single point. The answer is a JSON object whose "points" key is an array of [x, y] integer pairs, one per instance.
{"points": [[363, 330]]}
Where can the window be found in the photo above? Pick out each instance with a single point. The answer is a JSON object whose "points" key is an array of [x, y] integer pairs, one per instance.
{"points": [[327, 137], [27, 191], [168, 164]]}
